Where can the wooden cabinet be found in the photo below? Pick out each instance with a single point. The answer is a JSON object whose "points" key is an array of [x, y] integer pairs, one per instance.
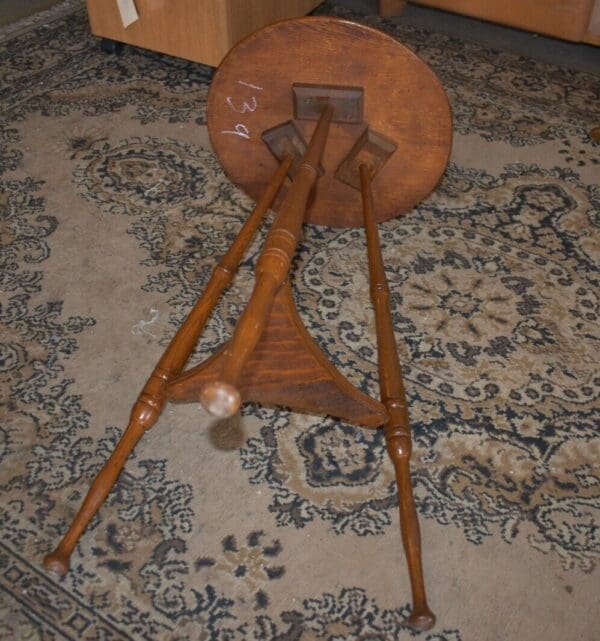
{"points": [[577, 20], [199, 30]]}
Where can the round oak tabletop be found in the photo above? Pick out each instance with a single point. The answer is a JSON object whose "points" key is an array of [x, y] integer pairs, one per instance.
{"points": [[403, 100]]}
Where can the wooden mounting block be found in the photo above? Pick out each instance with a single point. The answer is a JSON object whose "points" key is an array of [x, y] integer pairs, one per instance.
{"points": [[403, 100]]}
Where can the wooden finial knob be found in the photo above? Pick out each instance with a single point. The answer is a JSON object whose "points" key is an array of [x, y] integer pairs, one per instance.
{"points": [[220, 399], [422, 620], [57, 562]]}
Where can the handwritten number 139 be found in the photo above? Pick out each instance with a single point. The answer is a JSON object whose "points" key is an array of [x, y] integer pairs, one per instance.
{"points": [[241, 129]]}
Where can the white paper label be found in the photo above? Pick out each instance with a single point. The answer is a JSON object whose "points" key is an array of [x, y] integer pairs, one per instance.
{"points": [[128, 12]]}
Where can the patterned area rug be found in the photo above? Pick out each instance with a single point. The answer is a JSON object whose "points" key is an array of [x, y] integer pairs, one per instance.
{"points": [[276, 525]]}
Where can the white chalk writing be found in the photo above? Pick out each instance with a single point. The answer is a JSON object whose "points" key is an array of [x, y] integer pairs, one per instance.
{"points": [[249, 84], [242, 106], [246, 107], [240, 130]]}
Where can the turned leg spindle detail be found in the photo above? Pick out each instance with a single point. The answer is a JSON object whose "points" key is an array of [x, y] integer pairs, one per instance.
{"points": [[221, 397], [142, 417], [397, 428], [151, 401]]}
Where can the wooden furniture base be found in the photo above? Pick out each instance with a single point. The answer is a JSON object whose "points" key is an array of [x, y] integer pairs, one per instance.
{"points": [[199, 30], [271, 358]]}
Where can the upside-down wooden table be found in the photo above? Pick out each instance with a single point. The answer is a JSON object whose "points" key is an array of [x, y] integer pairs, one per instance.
{"points": [[380, 145]]}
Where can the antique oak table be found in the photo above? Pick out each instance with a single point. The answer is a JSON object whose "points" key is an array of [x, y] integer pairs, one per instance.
{"points": [[380, 144]]}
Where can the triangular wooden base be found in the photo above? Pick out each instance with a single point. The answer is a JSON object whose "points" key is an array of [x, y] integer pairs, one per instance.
{"points": [[287, 368]]}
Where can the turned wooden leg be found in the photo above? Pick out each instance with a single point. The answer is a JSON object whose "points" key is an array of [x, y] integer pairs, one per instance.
{"points": [[143, 416], [151, 401], [393, 396], [391, 7], [399, 449], [222, 398]]}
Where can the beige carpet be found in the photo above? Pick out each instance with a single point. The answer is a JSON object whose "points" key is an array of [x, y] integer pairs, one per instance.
{"points": [[280, 526]]}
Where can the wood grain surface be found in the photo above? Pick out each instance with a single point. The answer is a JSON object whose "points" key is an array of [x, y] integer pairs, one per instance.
{"points": [[252, 92], [287, 368]]}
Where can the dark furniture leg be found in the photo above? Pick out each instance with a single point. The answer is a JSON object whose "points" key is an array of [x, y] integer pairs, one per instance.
{"points": [[111, 46]]}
